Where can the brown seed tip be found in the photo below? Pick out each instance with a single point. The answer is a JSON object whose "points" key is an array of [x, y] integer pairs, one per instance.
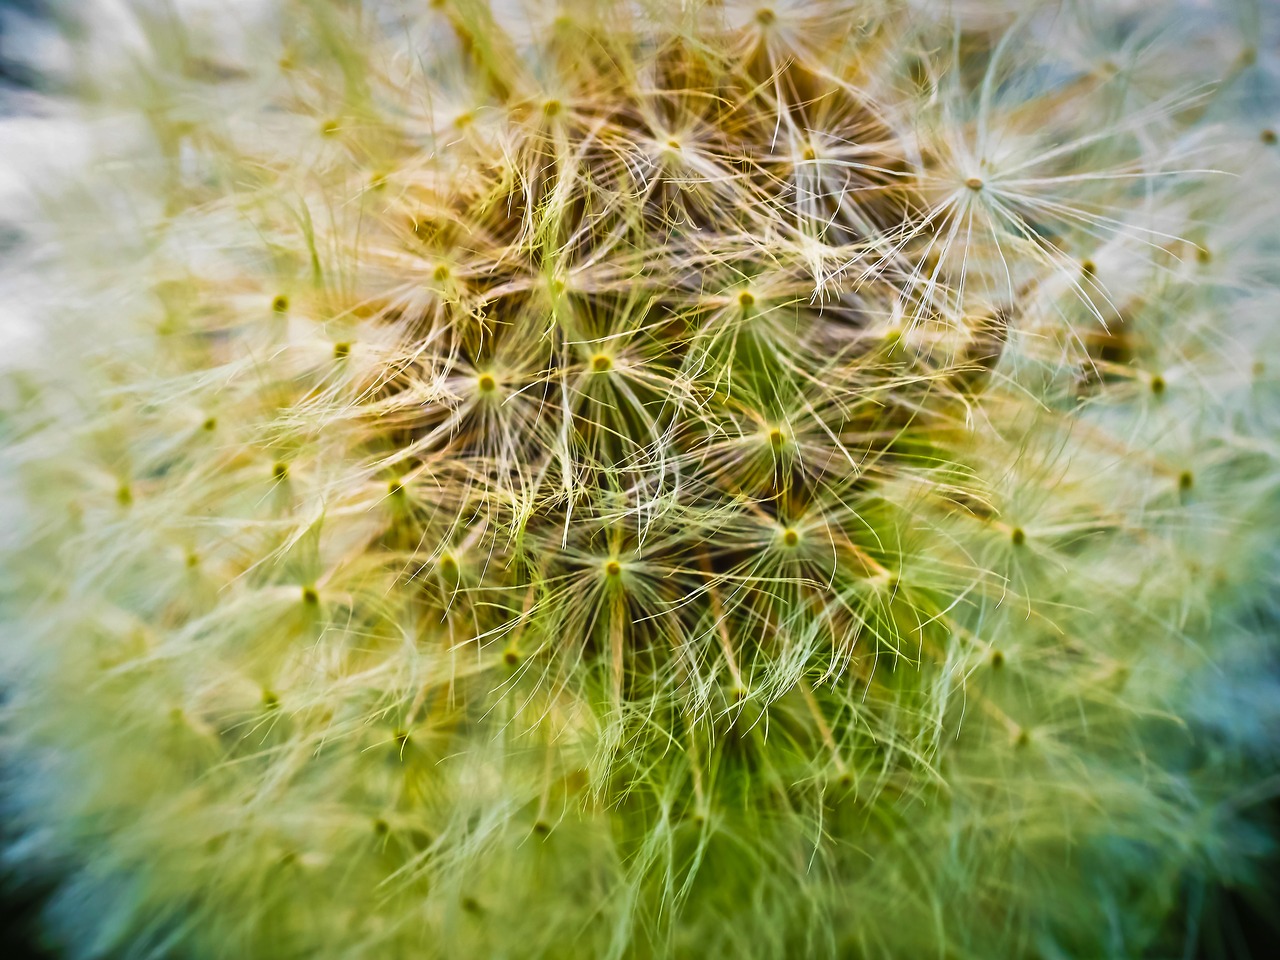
{"points": [[341, 350], [746, 299], [612, 568], [601, 363], [790, 537], [766, 17], [1018, 536], [280, 304], [973, 183], [486, 383], [1268, 137], [1157, 385]]}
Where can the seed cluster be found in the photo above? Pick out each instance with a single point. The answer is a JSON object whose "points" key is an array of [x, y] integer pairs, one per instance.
{"points": [[646, 480]]}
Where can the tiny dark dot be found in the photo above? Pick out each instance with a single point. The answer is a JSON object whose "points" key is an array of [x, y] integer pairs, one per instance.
{"points": [[280, 470], [673, 143], [1203, 255], [486, 383], [766, 17], [381, 827], [280, 304], [612, 568], [542, 828], [974, 183], [1018, 536], [1088, 268], [341, 350], [1185, 480], [997, 659], [210, 425], [511, 658], [552, 107], [746, 299], [471, 905], [309, 596], [269, 700], [790, 537], [1157, 385], [124, 495], [395, 488], [808, 153], [440, 273], [1268, 137], [601, 363], [402, 737], [776, 438]]}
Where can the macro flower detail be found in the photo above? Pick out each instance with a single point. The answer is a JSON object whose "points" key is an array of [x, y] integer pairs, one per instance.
{"points": [[644, 479]]}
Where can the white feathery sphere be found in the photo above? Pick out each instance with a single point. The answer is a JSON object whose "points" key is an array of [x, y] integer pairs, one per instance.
{"points": [[640, 478]]}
